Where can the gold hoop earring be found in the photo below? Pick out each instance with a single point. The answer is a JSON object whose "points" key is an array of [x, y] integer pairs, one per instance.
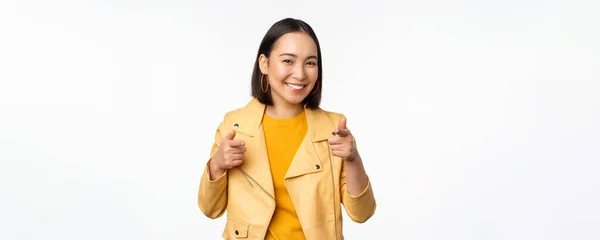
{"points": [[316, 89], [264, 90]]}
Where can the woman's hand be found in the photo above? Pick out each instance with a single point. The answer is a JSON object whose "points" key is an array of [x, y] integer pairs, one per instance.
{"points": [[342, 142], [229, 155], [343, 145]]}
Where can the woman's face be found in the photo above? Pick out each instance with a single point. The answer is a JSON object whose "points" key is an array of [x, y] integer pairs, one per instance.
{"points": [[291, 69]]}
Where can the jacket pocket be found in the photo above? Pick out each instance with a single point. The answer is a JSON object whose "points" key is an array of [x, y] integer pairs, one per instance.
{"points": [[236, 228]]}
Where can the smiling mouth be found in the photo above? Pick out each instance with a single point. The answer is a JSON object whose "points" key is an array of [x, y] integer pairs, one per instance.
{"points": [[295, 86]]}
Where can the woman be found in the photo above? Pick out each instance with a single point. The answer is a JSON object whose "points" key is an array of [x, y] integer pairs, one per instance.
{"points": [[281, 166]]}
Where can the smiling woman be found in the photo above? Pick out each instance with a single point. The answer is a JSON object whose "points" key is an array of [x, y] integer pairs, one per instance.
{"points": [[288, 55], [281, 167]]}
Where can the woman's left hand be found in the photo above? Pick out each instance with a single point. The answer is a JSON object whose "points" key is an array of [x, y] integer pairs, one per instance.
{"points": [[342, 142]]}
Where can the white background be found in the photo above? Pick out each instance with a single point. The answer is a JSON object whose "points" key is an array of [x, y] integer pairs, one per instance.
{"points": [[475, 119]]}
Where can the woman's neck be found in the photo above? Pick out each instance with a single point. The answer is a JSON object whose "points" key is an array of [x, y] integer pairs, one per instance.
{"points": [[279, 110]]}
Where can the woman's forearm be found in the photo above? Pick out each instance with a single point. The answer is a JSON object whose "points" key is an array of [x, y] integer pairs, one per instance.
{"points": [[356, 176]]}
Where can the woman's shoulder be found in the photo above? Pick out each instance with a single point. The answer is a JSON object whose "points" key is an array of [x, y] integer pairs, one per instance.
{"points": [[251, 106], [233, 112], [242, 116], [333, 115], [253, 110]]}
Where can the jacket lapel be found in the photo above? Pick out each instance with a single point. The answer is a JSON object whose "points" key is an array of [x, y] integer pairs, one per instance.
{"points": [[256, 164], [309, 157], [312, 153]]}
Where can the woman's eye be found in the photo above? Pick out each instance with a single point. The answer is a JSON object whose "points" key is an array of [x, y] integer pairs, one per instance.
{"points": [[287, 61], [312, 63]]}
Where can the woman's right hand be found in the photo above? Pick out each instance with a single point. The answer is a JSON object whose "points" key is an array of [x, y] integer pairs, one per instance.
{"points": [[229, 155]]}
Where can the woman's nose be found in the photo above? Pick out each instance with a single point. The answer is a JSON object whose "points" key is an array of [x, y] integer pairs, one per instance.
{"points": [[299, 72]]}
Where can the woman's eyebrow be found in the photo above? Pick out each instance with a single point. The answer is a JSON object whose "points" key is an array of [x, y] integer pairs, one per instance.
{"points": [[294, 55]]}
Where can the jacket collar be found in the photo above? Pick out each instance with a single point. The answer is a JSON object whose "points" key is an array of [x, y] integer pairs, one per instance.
{"points": [[319, 124]]}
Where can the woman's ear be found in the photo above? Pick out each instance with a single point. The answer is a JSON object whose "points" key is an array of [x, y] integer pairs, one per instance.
{"points": [[263, 63]]}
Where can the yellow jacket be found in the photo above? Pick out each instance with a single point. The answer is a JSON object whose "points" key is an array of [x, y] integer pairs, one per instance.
{"points": [[315, 181]]}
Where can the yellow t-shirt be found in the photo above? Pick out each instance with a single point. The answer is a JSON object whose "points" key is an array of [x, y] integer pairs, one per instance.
{"points": [[283, 137]]}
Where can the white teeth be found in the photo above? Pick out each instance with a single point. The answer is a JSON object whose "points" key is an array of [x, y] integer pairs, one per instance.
{"points": [[297, 87]]}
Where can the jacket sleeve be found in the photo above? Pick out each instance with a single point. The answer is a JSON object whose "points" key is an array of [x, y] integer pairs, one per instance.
{"points": [[212, 194], [360, 207]]}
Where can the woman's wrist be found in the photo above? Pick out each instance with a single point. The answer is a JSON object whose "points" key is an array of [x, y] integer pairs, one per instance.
{"points": [[214, 171]]}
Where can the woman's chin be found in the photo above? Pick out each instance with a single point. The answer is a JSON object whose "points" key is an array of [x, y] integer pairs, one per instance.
{"points": [[295, 99]]}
